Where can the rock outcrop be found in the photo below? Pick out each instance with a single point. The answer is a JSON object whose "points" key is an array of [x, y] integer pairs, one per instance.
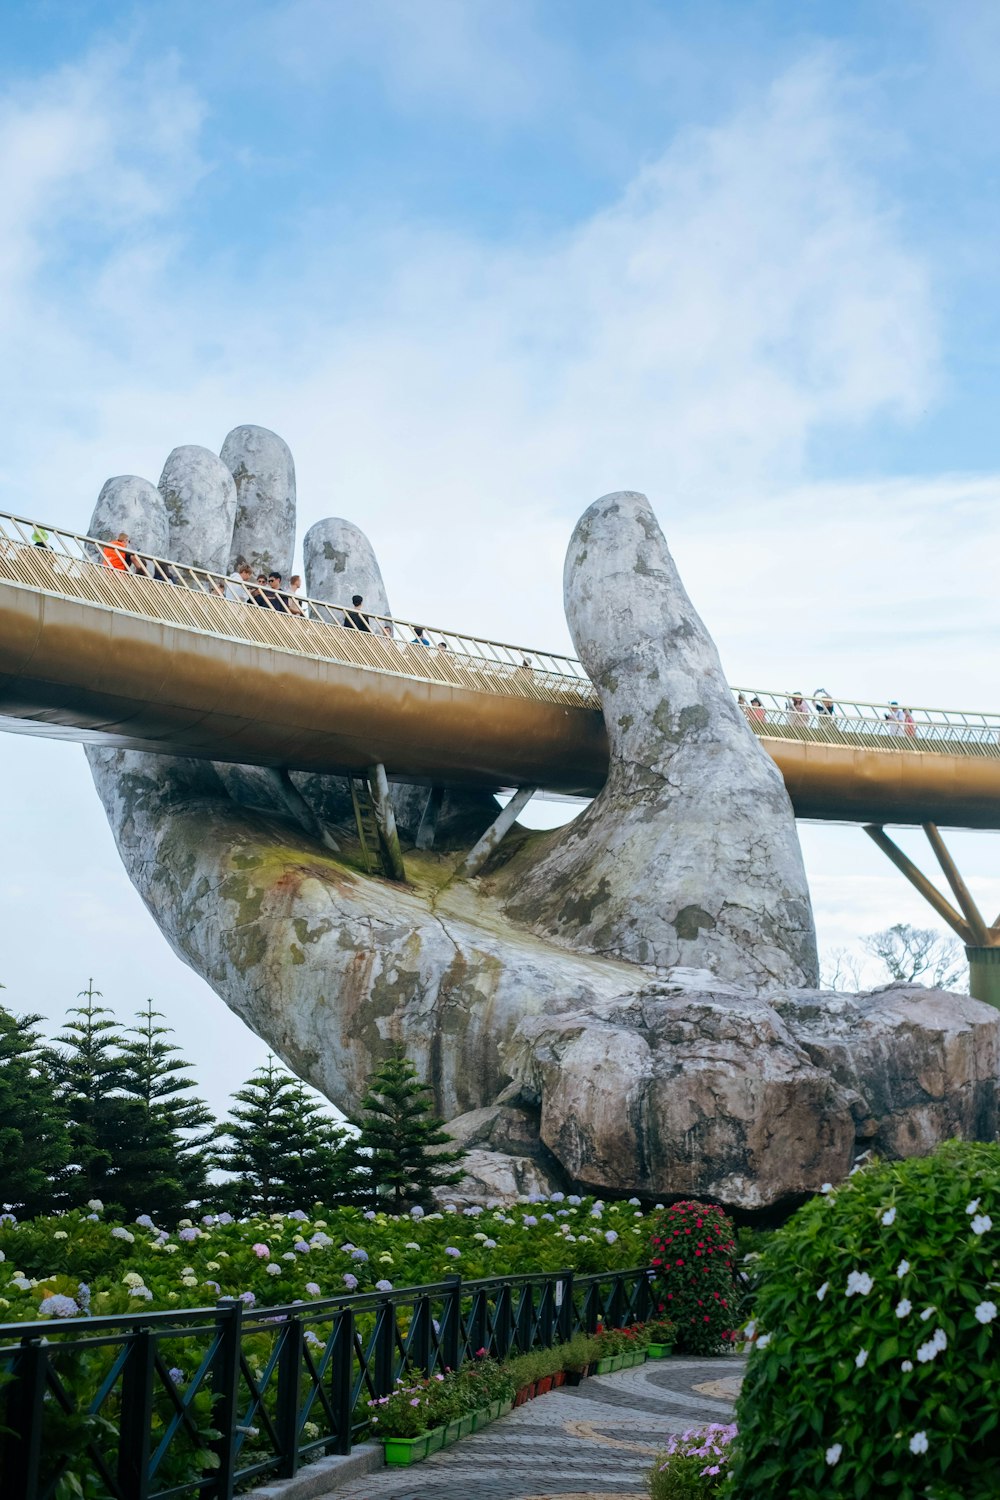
{"points": [[624, 1004]]}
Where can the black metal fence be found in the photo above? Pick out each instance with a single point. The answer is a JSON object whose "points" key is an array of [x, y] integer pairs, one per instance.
{"points": [[203, 1402]]}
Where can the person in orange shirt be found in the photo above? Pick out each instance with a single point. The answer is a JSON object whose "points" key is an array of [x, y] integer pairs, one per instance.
{"points": [[115, 554]]}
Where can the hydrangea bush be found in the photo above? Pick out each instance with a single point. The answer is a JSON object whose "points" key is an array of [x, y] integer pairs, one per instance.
{"points": [[76, 1264], [875, 1365], [693, 1248]]}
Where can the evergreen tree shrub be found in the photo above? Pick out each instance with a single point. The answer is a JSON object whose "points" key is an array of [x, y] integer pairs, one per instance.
{"points": [[693, 1249], [282, 1151], [875, 1368], [34, 1143], [407, 1150]]}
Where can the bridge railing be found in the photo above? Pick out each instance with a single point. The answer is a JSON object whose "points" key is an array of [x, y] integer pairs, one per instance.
{"points": [[204, 1401], [74, 566], [874, 726]]}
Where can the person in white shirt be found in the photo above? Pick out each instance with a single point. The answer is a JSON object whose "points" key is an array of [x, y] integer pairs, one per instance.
{"points": [[236, 583]]}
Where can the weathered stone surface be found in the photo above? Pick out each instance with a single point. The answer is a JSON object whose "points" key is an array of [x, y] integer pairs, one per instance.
{"points": [[495, 1176], [729, 1079], [689, 855], [128, 503], [200, 496], [264, 472], [340, 563]]}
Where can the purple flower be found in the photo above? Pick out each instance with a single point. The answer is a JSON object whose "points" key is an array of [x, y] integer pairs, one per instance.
{"points": [[416, 1212], [248, 1299], [225, 1218], [529, 1220], [383, 1286], [83, 1296], [369, 1214], [261, 1251], [297, 1214], [301, 1247], [359, 1254], [177, 1376], [215, 1287], [208, 1219], [450, 1250], [312, 1288], [145, 1222], [350, 1281], [610, 1236], [187, 1235], [58, 1306], [313, 1339]]}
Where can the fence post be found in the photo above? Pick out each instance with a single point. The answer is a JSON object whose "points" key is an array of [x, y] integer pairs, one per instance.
{"points": [[619, 1310], [567, 1315], [136, 1415], [225, 1384], [420, 1337], [478, 1325], [502, 1329], [25, 1404], [342, 1379], [525, 1319], [547, 1312], [289, 1378], [385, 1347], [451, 1346]]}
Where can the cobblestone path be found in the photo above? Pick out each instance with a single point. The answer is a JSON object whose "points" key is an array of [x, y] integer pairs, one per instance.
{"points": [[594, 1441]]}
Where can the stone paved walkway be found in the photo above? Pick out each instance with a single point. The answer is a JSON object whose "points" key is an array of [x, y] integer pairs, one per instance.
{"points": [[594, 1441]]}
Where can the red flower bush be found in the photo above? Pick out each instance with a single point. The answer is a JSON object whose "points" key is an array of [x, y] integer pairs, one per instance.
{"points": [[693, 1251]]}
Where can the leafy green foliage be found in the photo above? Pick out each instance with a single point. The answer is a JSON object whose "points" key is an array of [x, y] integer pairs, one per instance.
{"points": [[876, 1360], [693, 1248], [34, 1143], [405, 1145], [281, 1149]]}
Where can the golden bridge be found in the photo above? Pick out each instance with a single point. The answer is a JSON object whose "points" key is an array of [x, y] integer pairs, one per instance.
{"points": [[170, 661]]}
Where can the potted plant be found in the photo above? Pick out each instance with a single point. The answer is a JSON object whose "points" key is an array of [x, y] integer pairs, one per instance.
{"points": [[662, 1334], [402, 1420]]}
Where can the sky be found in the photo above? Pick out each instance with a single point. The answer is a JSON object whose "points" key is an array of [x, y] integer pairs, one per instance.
{"points": [[480, 262]]}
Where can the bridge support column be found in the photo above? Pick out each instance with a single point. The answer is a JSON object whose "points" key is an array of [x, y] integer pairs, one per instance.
{"points": [[386, 820], [300, 809], [984, 974], [429, 818], [480, 853], [982, 941]]}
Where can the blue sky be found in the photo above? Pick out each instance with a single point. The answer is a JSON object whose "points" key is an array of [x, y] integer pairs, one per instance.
{"points": [[478, 263]]}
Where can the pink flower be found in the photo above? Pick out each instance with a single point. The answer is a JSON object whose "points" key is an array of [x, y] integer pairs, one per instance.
{"points": [[262, 1251]]}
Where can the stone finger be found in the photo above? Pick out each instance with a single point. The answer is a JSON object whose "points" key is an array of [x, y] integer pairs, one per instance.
{"points": [[340, 562], [133, 505], [263, 469], [199, 493]]}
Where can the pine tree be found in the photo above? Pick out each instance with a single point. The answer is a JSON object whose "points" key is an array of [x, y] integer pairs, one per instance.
{"points": [[283, 1151], [101, 1119], [34, 1144], [404, 1143], [168, 1161]]}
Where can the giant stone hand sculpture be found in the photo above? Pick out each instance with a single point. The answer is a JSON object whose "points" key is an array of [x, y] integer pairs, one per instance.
{"points": [[624, 1003]]}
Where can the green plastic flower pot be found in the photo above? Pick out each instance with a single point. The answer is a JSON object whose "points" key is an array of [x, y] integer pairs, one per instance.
{"points": [[399, 1452], [606, 1365], [452, 1432], [464, 1426], [435, 1439], [496, 1410], [659, 1351], [505, 1407]]}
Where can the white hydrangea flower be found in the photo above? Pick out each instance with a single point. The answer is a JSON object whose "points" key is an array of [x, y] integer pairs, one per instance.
{"points": [[833, 1453], [986, 1312], [859, 1282], [822, 1291], [906, 1366], [889, 1217], [904, 1307], [973, 1207], [861, 1358], [902, 1268], [981, 1223], [828, 1188], [763, 1341], [189, 1280], [919, 1443], [928, 1312]]}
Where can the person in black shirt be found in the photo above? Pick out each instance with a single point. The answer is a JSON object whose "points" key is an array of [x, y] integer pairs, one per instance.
{"points": [[353, 618], [275, 598]]}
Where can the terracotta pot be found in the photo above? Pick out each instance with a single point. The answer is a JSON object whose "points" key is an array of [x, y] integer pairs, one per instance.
{"points": [[543, 1385]]}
